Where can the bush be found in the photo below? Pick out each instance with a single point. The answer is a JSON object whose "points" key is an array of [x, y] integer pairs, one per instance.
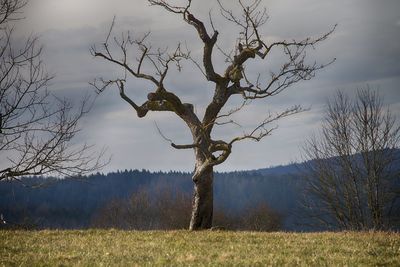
{"points": [[142, 211], [254, 218], [164, 208]]}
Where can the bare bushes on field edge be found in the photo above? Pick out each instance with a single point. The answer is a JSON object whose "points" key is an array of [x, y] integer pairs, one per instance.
{"points": [[167, 209]]}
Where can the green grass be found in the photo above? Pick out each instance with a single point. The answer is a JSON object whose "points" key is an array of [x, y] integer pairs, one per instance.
{"points": [[174, 248]]}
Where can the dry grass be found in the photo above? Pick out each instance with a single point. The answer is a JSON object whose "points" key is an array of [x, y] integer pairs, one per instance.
{"points": [[130, 248]]}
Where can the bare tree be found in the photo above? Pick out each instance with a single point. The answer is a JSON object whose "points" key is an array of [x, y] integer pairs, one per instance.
{"points": [[233, 82], [352, 176], [36, 128]]}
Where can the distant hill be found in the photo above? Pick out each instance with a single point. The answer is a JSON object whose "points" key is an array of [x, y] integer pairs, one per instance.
{"points": [[71, 203], [281, 169]]}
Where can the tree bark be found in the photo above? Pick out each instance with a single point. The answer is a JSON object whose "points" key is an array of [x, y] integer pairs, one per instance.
{"points": [[202, 203]]}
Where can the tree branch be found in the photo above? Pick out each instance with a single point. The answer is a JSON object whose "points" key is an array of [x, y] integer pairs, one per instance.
{"points": [[261, 131], [208, 41]]}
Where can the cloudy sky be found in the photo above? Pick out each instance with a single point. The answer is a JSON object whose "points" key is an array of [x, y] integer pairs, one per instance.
{"points": [[365, 43]]}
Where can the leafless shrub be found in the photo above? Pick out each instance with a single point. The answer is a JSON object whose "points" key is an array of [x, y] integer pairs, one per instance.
{"points": [[168, 209]]}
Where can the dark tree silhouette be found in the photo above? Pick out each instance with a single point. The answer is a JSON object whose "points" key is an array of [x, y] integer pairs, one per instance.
{"points": [[353, 181], [233, 82], [36, 128]]}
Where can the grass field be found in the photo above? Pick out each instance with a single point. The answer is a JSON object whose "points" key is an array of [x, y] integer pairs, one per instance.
{"points": [[174, 248]]}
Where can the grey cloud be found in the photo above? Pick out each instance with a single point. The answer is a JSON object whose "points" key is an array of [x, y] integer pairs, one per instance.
{"points": [[365, 44]]}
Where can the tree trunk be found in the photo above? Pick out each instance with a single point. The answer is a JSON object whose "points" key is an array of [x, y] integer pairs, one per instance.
{"points": [[202, 203]]}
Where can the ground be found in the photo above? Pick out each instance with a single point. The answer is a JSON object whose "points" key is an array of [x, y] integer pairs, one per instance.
{"points": [[174, 248]]}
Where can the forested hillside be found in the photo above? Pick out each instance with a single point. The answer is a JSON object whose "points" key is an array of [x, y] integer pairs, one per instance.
{"points": [[121, 199], [72, 203]]}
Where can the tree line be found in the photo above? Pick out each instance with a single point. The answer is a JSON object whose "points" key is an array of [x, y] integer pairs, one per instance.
{"points": [[144, 200]]}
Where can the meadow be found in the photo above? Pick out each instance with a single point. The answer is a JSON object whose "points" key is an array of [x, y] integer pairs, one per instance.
{"points": [[184, 248]]}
